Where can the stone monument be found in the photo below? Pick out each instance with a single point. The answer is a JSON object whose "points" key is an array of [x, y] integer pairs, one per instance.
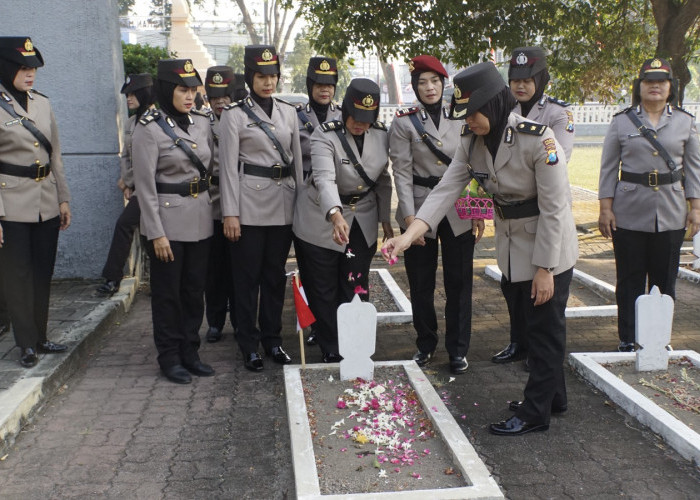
{"points": [[357, 338], [654, 318]]}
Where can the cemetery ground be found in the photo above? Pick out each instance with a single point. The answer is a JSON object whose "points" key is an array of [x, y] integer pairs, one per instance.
{"points": [[118, 429]]}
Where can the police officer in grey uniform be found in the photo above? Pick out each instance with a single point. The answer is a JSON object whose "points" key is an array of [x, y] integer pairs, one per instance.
{"points": [[349, 159], [422, 141], [220, 85], [140, 97], [528, 78], [521, 164], [260, 167], [172, 157], [321, 79], [649, 168], [34, 197]]}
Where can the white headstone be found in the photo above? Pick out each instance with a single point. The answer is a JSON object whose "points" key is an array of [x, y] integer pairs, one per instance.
{"points": [[654, 318], [696, 245], [357, 337]]}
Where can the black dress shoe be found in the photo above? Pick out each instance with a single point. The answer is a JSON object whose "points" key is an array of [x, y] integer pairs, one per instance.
{"points": [[423, 358], [214, 334], [526, 364], [50, 347], [515, 405], [332, 357], [177, 374], [515, 427], [199, 368], [509, 354], [108, 288], [28, 358], [279, 356], [311, 339], [253, 362], [627, 347], [458, 364], [4, 327]]}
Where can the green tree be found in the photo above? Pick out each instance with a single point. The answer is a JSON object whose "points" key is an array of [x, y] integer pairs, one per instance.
{"points": [[299, 62], [143, 58], [125, 6], [235, 58]]}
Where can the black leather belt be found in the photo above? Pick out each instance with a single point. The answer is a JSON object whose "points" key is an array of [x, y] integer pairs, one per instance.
{"points": [[352, 199], [429, 182], [274, 172], [36, 172], [214, 180], [652, 179], [527, 208], [192, 188]]}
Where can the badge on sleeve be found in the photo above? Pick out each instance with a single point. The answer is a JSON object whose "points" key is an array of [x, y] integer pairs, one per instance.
{"points": [[551, 148], [569, 122]]}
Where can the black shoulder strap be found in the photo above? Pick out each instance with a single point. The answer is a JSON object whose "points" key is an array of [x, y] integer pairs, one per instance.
{"points": [[426, 140], [469, 165], [263, 126], [305, 119], [27, 123], [348, 151], [651, 137], [160, 120]]}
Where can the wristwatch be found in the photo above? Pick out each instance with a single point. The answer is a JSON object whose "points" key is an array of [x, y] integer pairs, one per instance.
{"points": [[550, 270], [332, 212]]}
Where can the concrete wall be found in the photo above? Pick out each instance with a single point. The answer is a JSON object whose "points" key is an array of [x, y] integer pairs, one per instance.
{"points": [[82, 76]]}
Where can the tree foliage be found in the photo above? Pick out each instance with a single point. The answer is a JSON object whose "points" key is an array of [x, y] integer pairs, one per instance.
{"points": [[143, 58], [279, 19], [298, 61], [596, 46], [125, 6], [235, 58]]}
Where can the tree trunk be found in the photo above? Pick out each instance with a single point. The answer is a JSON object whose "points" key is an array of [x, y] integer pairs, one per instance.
{"points": [[248, 22], [390, 79]]}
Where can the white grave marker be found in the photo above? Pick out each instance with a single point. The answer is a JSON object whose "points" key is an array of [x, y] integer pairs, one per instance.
{"points": [[696, 251], [654, 318], [357, 338]]}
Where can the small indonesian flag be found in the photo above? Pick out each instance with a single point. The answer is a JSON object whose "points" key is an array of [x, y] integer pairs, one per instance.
{"points": [[304, 315]]}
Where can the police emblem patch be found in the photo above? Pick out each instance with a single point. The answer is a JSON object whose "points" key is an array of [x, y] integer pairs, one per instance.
{"points": [[188, 67], [457, 92], [324, 66], [217, 78], [28, 45], [521, 59], [368, 101], [655, 63], [267, 55], [551, 148], [411, 67], [569, 122]]}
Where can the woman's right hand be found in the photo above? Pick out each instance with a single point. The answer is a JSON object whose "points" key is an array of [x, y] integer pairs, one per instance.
{"points": [[2, 236], [341, 230], [232, 228], [606, 219], [161, 247]]}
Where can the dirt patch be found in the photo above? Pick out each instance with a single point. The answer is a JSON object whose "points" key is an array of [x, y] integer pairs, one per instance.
{"points": [[374, 436], [379, 294], [676, 390]]}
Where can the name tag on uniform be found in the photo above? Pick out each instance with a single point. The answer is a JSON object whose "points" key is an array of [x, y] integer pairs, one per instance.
{"points": [[345, 160], [633, 135], [252, 125], [12, 122], [482, 176]]}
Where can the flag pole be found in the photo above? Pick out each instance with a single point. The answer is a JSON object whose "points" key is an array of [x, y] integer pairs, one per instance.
{"points": [[301, 330]]}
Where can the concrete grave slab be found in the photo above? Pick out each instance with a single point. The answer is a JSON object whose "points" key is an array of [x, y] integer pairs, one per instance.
{"points": [[405, 313], [481, 484], [357, 338]]}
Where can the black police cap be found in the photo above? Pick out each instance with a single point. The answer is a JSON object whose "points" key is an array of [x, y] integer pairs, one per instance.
{"points": [[526, 62], [323, 70], [136, 81], [20, 50], [219, 81], [656, 69], [261, 59], [179, 72], [474, 87], [361, 100]]}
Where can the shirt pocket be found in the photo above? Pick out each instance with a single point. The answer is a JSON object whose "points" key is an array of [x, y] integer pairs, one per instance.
{"points": [[9, 181], [256, 183]]}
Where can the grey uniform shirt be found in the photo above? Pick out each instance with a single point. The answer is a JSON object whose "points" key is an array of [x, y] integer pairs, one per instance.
{"points": [[258, 201], [22, 199], [334, 175], [310, 224], [157, 159], [410, 156], [642, 208], [214, 190], [523, 169], [556, 115], [127, 173]]}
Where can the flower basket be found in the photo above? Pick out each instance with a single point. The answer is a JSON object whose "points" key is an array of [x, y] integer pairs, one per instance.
{"points": [[474, 203]]}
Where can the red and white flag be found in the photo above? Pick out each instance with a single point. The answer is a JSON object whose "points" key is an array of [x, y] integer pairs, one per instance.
{"points": [[304, 315]]}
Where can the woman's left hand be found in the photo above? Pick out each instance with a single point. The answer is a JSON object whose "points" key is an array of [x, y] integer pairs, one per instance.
{"points": [[478, 226], [64, 211], [692, 222], [388, 231], [542, 286]]}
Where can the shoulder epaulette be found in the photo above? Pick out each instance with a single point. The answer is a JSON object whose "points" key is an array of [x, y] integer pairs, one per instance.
{"points": [[623, 110], [285, 102], [683, 110], [202, 112], [465, 130], [531, 128], [147, 118], [34, 91], [233, 105], [407, 111], [331, 125], [558, 101], [379, 125]]}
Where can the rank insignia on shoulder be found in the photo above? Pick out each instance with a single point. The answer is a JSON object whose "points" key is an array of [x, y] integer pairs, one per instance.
{"points": [[332, 125], [170, 122], [623, 110], [558, 101], [379, 125], [446, 111], [550, 147], [5, 97], [531, 128], [406, 111], [508, 137], [149, 117], [683, 111], [34, 91], [465, 130], [233, 105]]}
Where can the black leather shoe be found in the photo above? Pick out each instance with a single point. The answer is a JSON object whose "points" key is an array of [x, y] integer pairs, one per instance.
{"points": [[526, 364], [214, 334], [108, 288], [253, 362], [28, 358], [279, 356], [50, 347], [509, 354], [4, 328], [627, 347], [332, 357], [177, 374], [199, 368], [514, 405], [458, 364], [423, 358], [515, 427], [311, 339]]}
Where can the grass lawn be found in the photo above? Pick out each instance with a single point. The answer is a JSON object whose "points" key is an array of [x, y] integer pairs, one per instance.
{"points": [[584, 167]]}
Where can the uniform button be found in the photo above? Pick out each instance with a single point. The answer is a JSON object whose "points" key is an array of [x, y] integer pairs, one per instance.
{"points": [[274, 147], [38, 162], [439, 162], [439, 143], [272, 127], [359, 188], [493, 179], [279, 183], [257, 186], [36, 144], [656, 188], [3, 184], [194, 146], [655, 153], [167, 203]]}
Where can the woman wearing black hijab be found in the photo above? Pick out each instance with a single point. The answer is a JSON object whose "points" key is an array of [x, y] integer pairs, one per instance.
{"points": [[259, 167], [519, 162], [172, 157], [34, 197]]}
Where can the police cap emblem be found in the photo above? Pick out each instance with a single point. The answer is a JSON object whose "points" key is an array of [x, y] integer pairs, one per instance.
{"points": [[368, 101], [188, 67], [28, 45], [217, 78], [521, 59], [324, 66], [266, 55], [655, 64], [457, 93]]}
